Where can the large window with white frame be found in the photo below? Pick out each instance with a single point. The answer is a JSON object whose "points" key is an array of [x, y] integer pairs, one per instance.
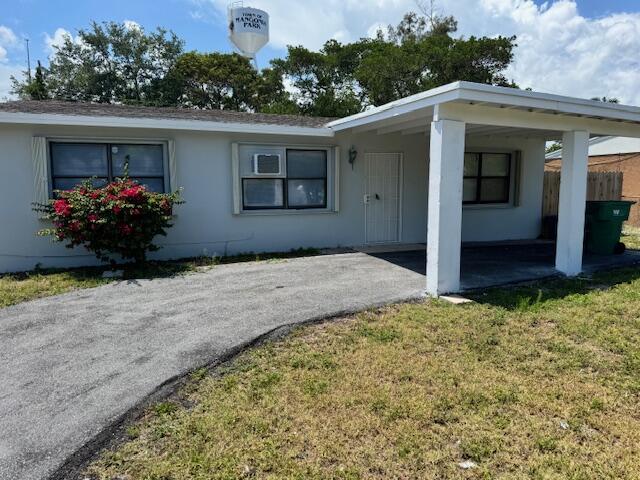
{"points": [[73, 162], [298, 182], [487, 178]]}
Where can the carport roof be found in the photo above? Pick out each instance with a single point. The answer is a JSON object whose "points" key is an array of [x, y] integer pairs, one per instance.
{"points": [[492, 96]]}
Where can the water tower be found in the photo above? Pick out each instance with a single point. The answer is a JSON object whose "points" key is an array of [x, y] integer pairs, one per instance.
{"points": [[248, 29]]}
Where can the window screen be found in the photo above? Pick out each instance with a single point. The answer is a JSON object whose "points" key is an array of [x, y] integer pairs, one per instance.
{"points": [[486, 178], [72, 163]]}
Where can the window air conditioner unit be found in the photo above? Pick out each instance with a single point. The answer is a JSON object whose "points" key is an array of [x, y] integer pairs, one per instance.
{"points": [[266, 164]]}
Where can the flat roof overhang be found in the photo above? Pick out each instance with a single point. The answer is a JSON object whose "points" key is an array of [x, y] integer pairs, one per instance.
{"points": [[491, 110]]}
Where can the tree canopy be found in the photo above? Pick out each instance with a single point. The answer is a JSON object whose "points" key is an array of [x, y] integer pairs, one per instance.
{"points": [[119, 63]]}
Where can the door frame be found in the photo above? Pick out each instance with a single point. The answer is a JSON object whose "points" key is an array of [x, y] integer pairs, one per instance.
{"points": [[400, 196]]}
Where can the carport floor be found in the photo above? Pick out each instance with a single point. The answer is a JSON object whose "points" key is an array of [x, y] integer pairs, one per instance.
{"points": [[493, 265]]}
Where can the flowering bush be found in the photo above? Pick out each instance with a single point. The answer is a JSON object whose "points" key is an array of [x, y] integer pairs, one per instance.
{"points": [[121, 218]]}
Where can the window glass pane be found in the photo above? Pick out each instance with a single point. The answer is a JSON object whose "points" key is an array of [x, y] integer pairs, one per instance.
{"points": [[262, 192], [494, 190], [307, 163], [68, 183], [306, 193], [495, 164], [144, 160], [471, 163], [469, 189], [79, 159], [152, 184]]}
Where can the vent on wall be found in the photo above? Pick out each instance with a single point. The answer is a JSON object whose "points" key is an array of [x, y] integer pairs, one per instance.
{"points": [[266, 164]]}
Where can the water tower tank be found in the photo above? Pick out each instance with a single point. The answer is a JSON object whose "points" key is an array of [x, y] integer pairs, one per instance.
{"points": [[248, 29]]}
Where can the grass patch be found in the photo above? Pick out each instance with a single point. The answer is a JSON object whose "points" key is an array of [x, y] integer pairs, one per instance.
{"points": [[535, 382], [20, 287], [631, 237]]}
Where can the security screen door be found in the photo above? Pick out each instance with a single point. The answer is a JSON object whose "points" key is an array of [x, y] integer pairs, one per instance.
{"points": [[382, 197]]}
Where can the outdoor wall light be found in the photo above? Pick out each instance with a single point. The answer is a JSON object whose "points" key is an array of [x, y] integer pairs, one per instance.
{"points": [[353, 154]]}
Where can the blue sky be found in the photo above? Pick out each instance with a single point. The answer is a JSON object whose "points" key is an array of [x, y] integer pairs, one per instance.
{"points": [[566, 33]]}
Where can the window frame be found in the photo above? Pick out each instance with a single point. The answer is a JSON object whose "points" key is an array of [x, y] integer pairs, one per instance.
{"points": [[108, 143], [284, 178], [479, 177]]}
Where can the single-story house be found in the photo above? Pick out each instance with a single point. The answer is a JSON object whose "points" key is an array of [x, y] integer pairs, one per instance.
{"points": [[612, 154], [460, 163]]}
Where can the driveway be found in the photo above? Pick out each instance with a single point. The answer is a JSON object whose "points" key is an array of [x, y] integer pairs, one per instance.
{"points": [[74, 364]]}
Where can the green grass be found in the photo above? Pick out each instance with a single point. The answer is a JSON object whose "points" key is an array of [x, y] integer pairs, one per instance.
{"points": [[631, 237], [539, 382], [20, 287]]}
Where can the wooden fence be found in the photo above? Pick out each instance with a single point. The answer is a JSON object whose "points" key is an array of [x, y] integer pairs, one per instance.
{"points": [[600, 186]]}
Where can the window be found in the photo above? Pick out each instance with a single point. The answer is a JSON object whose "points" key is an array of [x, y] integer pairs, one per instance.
{"points": [[486, 178], [303, 186], [72, 163]]}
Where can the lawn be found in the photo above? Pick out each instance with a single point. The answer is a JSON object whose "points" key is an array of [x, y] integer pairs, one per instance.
{"points": [[20, 287], [540, 381]]}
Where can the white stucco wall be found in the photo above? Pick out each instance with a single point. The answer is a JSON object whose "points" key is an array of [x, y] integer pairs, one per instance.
{"points": [[206, 224]]}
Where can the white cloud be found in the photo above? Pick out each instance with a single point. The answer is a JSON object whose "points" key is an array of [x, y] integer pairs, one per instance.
{"points": [[8, 40], [132, 25], [52, 42], [6, 72], [558, 50], [9, 43]]}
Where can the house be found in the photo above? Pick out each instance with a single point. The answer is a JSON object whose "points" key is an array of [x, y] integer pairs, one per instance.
{"points": [[460, 163], [612, 154]]}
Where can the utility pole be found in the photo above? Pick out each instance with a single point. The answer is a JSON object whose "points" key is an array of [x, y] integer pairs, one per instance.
{"points": [[28, 60]]}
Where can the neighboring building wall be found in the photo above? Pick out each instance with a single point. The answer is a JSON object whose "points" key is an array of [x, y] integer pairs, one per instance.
{"points": [[628, 164], [205, 224]]}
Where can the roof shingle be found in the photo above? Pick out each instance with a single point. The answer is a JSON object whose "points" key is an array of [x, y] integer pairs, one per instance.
{"points": [[160, 113]]}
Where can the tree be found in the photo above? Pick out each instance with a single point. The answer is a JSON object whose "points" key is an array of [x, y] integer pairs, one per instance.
{"points": [[217, 81], [113, 62], [323, 81], [553, 147], [418, 54], [36, 89]]}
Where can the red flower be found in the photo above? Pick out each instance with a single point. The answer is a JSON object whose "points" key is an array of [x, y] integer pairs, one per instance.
{"points": [[116, 209], [62, 207], [92, 217], [94, 195], [132, 193], [74, 226]]}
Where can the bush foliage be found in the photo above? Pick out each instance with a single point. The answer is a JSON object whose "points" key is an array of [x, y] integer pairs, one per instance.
{"points": [[120, 219]]}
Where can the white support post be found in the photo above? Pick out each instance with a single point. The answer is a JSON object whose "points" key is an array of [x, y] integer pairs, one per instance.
{"points": [[573, 196], [444, 235]]}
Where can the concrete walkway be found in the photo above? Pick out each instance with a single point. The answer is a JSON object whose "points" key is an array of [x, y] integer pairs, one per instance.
{"points": [[73, 364]]}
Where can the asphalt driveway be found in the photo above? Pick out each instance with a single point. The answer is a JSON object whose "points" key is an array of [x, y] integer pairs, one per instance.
{"points": [[72, 365]]}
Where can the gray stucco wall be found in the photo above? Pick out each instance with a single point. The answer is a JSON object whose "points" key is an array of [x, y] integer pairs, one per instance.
{"points": [[205, 224]]}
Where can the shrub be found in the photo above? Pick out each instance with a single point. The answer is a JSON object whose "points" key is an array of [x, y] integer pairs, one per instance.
{"points": [[121, 218]]}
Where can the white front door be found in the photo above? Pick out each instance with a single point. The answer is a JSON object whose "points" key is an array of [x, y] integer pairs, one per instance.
{"points": [[382, 197]]}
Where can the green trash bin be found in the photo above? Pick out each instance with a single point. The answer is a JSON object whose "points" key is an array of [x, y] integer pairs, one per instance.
{"points": [[603, 226]]}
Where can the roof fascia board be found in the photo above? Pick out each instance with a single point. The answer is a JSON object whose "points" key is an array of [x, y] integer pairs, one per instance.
{"points": [[397, 108], [489, 115], [166, 124], [543, 101]]}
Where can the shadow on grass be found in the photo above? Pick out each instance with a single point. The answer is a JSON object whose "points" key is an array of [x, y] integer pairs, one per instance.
{"points": [[537, 294]]}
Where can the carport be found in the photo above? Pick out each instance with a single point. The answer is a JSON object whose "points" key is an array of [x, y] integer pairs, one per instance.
{"points": [[449, 116]]}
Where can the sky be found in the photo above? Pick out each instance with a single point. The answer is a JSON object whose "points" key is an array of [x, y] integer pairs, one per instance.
{"points": [[582, 48]]}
